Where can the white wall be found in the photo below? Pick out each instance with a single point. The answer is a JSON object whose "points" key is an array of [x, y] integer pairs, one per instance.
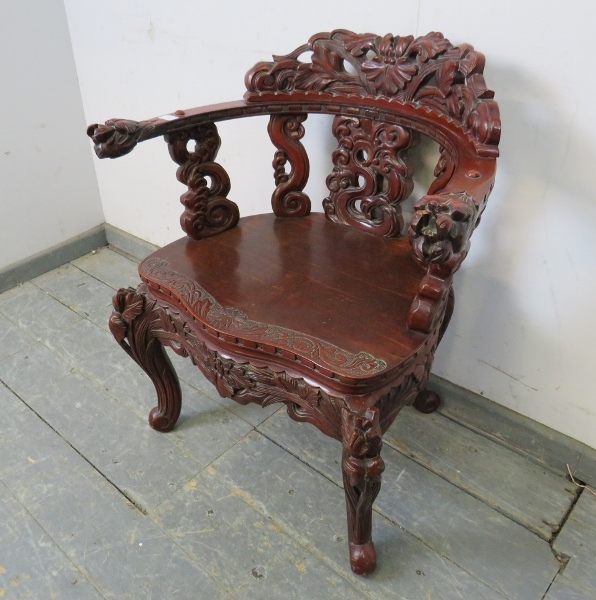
{"points": [[521, 331], [48, 187]]}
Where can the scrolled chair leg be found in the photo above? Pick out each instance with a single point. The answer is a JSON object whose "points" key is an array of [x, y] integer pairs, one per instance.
{"points": [[133, 323], [362, 467]]}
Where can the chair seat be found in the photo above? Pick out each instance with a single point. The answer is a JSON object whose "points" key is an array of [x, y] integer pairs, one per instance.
{"points": [[318, 295]]}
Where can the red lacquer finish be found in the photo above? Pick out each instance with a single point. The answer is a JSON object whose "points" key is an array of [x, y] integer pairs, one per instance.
{"points": [[336, 315]]}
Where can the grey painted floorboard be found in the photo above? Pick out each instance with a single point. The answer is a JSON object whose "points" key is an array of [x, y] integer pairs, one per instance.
{"points": [[75, 289], [564, 588], [294, 499], [122, 553], [217, 527], [12, 338], [226, 512], [108, 266], [577, 540], [36, 312], [479, 539], [530, 495], [31, 563]]}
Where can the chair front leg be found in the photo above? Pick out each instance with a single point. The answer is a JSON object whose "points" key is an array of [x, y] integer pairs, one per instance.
{"points": [[133, 323], [362, 467]]}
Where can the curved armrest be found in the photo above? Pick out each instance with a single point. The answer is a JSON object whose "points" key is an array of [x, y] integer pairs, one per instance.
{"points": [[118, 137]]}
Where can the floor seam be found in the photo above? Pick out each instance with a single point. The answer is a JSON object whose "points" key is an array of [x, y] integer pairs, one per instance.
{"points": [[123, 493], [503, 443], [494, 507], [381, 513], [79, 568]]}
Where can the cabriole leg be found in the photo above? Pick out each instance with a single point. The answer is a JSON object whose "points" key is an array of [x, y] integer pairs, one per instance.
{"points": [[362, 466], [133, 323]]}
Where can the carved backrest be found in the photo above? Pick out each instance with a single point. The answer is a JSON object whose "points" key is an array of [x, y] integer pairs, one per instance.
{"points": [[383, 90]]}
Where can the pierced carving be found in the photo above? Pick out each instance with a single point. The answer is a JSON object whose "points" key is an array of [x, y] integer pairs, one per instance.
{"points": [[288, 199], [362, 467], [441, 226], [118, 136], [443, 171], [371, 175], [237, 324], [207, 208], [136, 326], [427, 71]]}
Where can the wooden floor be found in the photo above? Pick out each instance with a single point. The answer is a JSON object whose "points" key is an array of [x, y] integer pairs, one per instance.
{"points": [[241, 502]]}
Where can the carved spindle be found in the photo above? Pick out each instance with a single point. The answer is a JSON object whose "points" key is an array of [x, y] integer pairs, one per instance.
{"points": [[207, 208], [135, 323], [362, 467], [288, 199], [371, 175]]}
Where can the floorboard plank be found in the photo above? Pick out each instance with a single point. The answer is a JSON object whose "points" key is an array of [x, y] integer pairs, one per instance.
{"points": [[457, 526], [530, 495]]}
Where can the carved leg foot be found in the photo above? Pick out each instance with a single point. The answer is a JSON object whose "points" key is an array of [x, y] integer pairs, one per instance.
{"points": [[362, 467], [133, 323], [427, 402]]}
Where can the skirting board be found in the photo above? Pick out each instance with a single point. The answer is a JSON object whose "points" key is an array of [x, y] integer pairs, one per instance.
{"points": [[49, 259], [539, 443], [544, 446], [128, 244]]}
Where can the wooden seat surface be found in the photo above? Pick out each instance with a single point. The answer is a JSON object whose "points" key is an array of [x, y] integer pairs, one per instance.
{"points": [[304, 287]]}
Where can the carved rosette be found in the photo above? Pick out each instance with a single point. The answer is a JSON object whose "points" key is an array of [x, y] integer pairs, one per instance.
{"points": [[118, 136], [425, 71], [207, 208], [371, 175], [288, 199], [441, 226]]}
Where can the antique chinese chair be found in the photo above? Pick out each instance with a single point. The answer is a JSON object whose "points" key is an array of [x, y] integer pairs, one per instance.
{"points": [[337, 315]]}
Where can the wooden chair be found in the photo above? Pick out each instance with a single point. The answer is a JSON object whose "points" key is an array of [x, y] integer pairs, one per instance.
{"points": [[337, 315]]}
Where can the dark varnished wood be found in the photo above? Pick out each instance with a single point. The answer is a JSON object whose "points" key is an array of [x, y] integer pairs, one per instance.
{"points": [[315, 312], [288, 199]]}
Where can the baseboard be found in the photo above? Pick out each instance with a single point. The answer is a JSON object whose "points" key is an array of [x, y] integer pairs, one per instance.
{"points": [[128, 244], [49, 259], [544, 446]]}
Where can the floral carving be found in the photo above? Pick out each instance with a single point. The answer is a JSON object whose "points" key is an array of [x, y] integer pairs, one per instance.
{"points": [[207, 208], [246, 383], [371, 175], [441, 226], [234, 322], [135, 325], [118, 136], [425, 71], [362, 467]]}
